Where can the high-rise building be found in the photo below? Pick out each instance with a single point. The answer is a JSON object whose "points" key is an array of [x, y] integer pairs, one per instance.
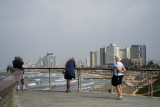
{"points": [[92, 60], [124, 53], [143, 53], [87, 62], [128, 53], [139, 51], [111, 51], [49, 60], [97, 58], [79, 63], [40, 64], [102, 55]]}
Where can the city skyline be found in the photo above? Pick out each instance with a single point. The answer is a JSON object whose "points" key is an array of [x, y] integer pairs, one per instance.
{"points": [[104, 57], [31, 29]]}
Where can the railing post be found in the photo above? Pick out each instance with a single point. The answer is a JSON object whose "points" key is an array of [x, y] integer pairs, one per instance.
{"points": [[111, 82], [148, 85], [151, 85], [24, 78], [80, 80], [49, 79]]}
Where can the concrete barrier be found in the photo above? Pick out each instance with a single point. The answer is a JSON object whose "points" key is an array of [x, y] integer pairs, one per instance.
{"points": [[8, 87]]}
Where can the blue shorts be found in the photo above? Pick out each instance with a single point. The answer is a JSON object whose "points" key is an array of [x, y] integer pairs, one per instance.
{"points": [[117, 80], [68, 77]]}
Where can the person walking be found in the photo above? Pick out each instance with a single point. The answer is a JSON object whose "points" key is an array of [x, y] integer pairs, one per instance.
{"points": [[69, 73], [18, 63], [118, 70]]}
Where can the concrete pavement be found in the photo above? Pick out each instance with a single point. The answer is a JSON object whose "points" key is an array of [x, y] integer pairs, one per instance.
{"points": [[36, 98]]}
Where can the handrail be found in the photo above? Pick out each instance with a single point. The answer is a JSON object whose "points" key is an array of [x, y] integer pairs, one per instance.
{"points": [[89, 68], [107, 69]]}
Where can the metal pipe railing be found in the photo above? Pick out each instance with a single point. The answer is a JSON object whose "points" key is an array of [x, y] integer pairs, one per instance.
{"points": [[149, 71]]}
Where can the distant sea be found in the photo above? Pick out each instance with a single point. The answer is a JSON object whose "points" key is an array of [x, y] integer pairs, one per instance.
{"points": [[2, 74], [40, 81]]}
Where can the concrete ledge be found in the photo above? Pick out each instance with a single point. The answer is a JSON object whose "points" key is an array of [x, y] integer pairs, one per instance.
{"points": [[8, 87]]}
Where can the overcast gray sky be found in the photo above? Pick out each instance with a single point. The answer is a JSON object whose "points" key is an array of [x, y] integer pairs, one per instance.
{"points": [[73, 28]]}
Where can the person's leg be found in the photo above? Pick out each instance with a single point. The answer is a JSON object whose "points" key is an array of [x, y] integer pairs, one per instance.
{"points": [[118, 90], [121, 89], [22, 82], [18, 87], [120, 86], [68, 84]]}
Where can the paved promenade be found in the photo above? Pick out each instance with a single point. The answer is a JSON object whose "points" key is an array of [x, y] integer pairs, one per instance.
{"points": [[31, 98]]}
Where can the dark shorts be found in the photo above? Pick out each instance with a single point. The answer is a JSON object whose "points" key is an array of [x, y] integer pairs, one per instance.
{"points": [[68, 77], [117, 80]]}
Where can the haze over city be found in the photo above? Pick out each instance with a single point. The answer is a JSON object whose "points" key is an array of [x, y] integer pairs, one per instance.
{"points": [[70, 28]]}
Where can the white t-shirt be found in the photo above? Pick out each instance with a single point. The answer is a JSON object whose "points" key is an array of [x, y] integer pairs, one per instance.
{"points": [[119, 65]]}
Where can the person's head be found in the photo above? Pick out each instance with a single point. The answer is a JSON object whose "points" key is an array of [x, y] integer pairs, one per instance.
{"points": [[18, 58], [117, 58], [71, 59]]}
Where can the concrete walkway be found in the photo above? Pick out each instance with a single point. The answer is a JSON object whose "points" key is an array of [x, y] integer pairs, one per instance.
{"points": [[31, 98]]}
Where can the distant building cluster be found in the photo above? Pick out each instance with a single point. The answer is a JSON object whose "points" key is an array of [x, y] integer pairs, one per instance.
{"points": [[83, 63], [136, 55], [48, 61]]}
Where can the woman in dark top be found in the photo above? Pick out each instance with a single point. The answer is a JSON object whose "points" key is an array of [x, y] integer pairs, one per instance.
{"points": [[69, 72]]}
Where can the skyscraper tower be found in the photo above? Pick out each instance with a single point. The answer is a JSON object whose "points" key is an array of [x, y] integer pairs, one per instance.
{"points": [[92, 59], [97, 58], [49, 60], [139, 51], [111, 51], [103, 55]]}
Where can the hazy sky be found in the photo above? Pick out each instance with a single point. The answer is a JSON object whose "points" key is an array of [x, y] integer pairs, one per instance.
{"points": [[73, 28]]}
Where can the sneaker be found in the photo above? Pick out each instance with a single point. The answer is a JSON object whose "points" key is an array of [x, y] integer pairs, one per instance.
{"points": [[18, 88], [119, 98], [67, 91], [23, 87]]}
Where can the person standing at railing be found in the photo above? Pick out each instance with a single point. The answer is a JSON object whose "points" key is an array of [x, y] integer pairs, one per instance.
{"points": [[118, 69], [18, 63], [69, 73]]}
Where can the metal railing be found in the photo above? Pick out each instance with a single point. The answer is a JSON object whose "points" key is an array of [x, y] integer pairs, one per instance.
{"points": [[8, 85], [80, 70]]}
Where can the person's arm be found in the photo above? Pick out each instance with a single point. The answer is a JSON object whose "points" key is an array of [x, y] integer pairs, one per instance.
{"points": [[74, 64], [118, 69], [121, 71], [22, 62]]}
